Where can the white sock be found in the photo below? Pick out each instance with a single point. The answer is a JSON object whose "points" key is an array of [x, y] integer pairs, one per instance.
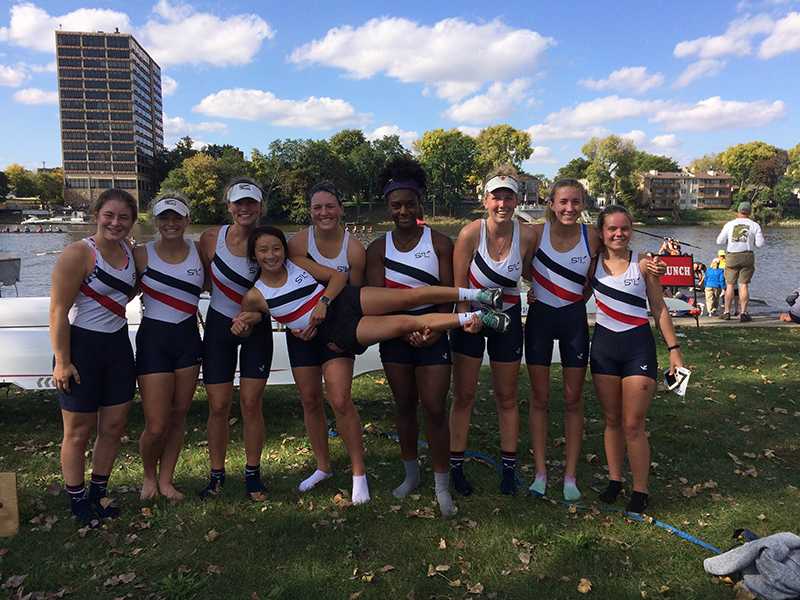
{"points": [[467, 294], [360, 490], [411, 481], [311, 481], [441, 487], [464, 318]]}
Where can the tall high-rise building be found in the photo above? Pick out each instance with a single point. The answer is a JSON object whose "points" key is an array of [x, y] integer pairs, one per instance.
{"points": [[109, 93]]}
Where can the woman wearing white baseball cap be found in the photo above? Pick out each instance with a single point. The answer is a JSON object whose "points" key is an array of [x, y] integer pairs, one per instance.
{"points": [[231, 273], [490, 252], [168, 345]]}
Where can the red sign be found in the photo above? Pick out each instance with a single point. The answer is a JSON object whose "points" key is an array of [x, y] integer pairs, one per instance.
{"points": [[679, 270]]}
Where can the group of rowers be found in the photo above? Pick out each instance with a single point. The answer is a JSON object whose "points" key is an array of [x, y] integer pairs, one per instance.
{"points": [[335, 298]]}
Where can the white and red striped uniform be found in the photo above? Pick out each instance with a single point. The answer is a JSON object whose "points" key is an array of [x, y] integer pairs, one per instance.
{"points": [[416, 268], [231, 277], [621, 300], [100, 303], [559, 277], [171, 292], [484, 272], [292, 303], [339, 262]]}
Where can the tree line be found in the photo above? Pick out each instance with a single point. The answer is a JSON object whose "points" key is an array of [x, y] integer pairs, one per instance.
{"points": [[20, 182]]}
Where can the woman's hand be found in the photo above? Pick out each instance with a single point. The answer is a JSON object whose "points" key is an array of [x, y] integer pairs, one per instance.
{"points": [[240, 327], [531, 296], [423, 338], [318, 315], [62, 374], [656, 266], [675, 360], [474, 326], [305, 334]]}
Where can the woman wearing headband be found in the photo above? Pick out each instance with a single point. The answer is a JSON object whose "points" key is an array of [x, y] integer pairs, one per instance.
{"points": [[168, 345], [327, 243], [223, 250], [417, 365], [490, 252]]}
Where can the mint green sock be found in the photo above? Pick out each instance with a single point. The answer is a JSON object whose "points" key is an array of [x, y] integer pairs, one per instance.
{"points": [[539, 485], [571, 491]]}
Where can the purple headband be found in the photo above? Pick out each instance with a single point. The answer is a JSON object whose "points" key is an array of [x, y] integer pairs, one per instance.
{"points": [[402, 184]]}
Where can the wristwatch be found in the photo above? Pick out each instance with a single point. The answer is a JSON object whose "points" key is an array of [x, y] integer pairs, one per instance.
{"points": [[325, 300]]}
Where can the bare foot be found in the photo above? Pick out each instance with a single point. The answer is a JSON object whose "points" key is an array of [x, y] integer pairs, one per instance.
{"points": [[170, 493], [149, 490]]}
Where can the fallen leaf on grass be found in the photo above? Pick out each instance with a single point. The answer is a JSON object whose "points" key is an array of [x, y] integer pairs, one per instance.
{"points": [[762, 517], [123, 579], [584, 586], [442, 568], [14, 582], [664, 589], [442, 544], [476, 589], [340, 501], [525, 558], [355, 595], [214, 570], [212, 535], [386, 568], [455, 583], [183, 569]]}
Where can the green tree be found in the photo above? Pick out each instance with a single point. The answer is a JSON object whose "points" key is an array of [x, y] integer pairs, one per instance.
{"points": [[645, 162], [3, 185], [783, 192], [231, 163], [754, 163], [202, 188], [50, 186], [21, 181], [449, 157], [611, 168], [707, 162], [501, 144], [167, 160], [574, 169], [793, 170], [217, 151]]}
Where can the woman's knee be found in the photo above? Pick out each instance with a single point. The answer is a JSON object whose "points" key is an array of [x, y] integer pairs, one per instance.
{"points": [[111, 429], [506, 400], [634, 429], [613, 420], [77, 436], [251, 406], [342, 405]]}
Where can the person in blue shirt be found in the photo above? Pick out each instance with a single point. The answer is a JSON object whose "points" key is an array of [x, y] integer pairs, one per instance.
{"points": [[715, 283]]}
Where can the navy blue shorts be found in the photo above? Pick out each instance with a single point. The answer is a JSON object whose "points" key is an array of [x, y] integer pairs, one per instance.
{"points": [[794, 318], [106, 368], [341, 322], [398, 351], [503, 347], [567, 324], [624, 353], [163, 347], [220, 349], [312, 353]]}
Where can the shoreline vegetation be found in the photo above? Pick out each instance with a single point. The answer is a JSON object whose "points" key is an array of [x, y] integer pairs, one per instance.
{"points": [[724, 457]]}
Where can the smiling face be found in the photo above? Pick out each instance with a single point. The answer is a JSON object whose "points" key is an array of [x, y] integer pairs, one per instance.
{"points": [[617, 231], [245, 212], [500, 204], [171, 225], [269, 253], [114, 220], [404, 208], [567, 205], [326, 212]]}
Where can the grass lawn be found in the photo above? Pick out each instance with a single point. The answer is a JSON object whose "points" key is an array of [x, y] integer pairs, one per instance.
{"points": [[722, 459]]}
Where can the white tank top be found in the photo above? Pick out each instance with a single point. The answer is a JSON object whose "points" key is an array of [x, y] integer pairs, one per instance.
{"points": [[100, 303], [621, 300], [339, 263], [559, 277], [416, 268], [484, 272], [231, 277], [170, 292], [292, 303]]}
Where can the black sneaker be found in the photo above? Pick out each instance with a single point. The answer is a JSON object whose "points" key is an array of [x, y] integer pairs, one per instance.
{"points": [[105, 507], [213, 488], [84, 514], [726, 316], [508, 482], [460, 482], [745, 317], [255, 490]]}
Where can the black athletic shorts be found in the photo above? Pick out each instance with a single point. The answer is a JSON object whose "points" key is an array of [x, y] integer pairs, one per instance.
{"points": [[398, 351], [341, 322], [106, 368], [163, 347], [794, 318], [221, 347], [567, 324], [311, 353], [624, 353], [503, 347]]}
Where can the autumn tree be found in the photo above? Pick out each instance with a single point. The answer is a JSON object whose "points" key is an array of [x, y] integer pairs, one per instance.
{"points": [[449, 157], [499, 145]]}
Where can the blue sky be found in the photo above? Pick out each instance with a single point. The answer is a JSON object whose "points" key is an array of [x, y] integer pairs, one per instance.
{"points": [[678, 78]]}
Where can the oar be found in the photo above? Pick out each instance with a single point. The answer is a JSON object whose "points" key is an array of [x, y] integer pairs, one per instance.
{"points": [[663, 237]]}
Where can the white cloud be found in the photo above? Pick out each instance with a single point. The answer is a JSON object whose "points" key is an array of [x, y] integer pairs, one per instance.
{"points": [[665, 142], [407, 138], [706, 67], [32, 27], [714, 113], [257, 105], [177, 127], [542, 155], [35, 96], [627, 79], [469, 130], [556, 131], [584, 115], [48, 68], [168, 85], [785, 37], [180, 35], [497, 103], [12, 76], [453, 56], [736, 40], [637, 136]]}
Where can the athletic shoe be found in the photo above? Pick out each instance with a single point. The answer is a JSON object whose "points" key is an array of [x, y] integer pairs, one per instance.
{"points": [[213, 488], [726, 316], [460, 482], [745, 317], [495, 320], [104, 507], [491, 297]]}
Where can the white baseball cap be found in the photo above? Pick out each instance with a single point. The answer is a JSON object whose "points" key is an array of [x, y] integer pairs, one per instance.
{"points": [[502, 181], [243, 190], [173, 204]]}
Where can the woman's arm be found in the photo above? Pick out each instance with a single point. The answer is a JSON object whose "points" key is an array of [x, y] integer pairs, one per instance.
{"points": [[531, 236], [375, 270], [655, 295], [464, 250], [207, 245], [140, 260], [357, 257], [70, 270], [254, 309]]}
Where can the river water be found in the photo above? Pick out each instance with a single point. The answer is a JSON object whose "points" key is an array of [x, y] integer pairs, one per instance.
{"points": [[777, 263]]}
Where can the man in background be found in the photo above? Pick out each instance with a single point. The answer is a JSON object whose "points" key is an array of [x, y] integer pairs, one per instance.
{"points": [[741, 236]]}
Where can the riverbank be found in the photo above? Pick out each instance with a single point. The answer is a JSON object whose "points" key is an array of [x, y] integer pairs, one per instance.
{"points": [[724, 456]]}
